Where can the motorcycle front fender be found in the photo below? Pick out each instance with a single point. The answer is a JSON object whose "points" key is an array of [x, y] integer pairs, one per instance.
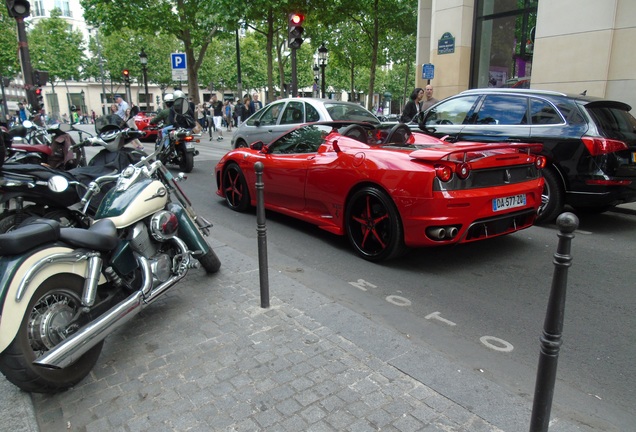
{"points": [[188, 231], [14, 269]]}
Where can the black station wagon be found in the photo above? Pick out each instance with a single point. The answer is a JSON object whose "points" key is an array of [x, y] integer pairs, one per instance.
{"points": [[590, 143]]}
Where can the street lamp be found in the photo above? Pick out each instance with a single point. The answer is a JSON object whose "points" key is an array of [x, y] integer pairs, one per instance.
{"points": [[323, 55], [143, 58], [316, 77]]}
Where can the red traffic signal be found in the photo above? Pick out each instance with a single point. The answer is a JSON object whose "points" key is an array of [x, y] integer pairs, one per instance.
{"points": [[38, 91], [295, 30], [125, 73], [296, 19]]}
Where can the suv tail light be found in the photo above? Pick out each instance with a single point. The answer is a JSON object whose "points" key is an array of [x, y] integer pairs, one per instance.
{"points": [[599, 146]]}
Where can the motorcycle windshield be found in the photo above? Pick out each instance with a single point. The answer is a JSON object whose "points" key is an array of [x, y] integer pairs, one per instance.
{"points": [[109, 122]]}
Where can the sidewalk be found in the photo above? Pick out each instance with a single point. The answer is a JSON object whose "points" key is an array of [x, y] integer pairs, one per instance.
{"points": [[207, 357]]}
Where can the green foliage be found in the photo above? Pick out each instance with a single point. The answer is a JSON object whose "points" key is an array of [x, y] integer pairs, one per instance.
{"points": [[56, 48], [9, 65]]}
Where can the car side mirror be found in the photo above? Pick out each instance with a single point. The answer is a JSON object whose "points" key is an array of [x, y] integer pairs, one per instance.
{"points": [[258, 146]]}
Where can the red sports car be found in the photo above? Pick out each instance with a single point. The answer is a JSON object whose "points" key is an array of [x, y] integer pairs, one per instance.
{"points": [[387, 188], [142, 121]]}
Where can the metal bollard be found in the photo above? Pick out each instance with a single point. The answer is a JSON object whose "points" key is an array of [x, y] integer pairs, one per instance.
{"points": [[261, 230], [553, 326]]}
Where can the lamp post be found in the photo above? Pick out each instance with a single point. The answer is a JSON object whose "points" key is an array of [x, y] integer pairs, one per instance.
{"points": [[323, 55], [316, 92], [83, 105], [143, 58]]}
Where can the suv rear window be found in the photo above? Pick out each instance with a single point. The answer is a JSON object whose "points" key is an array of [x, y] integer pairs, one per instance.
{"points": [[614, 122]]}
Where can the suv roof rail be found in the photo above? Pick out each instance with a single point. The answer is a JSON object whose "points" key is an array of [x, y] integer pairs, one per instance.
{"points": [[513, 90]]}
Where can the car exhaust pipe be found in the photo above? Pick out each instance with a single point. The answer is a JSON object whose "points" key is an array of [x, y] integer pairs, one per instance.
{"points": [[451, 232], [71, 349], [437, 233]]}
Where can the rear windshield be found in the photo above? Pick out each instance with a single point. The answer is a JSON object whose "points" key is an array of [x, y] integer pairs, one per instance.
{"points": [[614, 122]]}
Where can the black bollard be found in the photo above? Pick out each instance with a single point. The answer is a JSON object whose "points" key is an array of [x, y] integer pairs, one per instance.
{"points": [[261, 231], [553, 326]]}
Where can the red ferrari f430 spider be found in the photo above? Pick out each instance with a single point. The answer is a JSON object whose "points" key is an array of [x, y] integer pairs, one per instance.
{"points": [[387, 188]]}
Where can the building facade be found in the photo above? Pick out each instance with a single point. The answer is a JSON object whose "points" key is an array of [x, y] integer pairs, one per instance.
{"points": [[572, 46]]}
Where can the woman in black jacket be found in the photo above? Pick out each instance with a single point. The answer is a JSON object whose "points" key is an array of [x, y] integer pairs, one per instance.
{"points": [[412, 107]]}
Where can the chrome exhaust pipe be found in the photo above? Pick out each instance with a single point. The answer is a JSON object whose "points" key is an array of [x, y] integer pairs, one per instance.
{"points": [[436, 233], [71, 349], [451, 232]]}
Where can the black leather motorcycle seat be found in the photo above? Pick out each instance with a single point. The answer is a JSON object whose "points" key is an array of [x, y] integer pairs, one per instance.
{"points": [[38, 232], [101, 236]]}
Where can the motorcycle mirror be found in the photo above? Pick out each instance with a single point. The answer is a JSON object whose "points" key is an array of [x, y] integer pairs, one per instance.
{"points": [[64, 127], [27, 124], [57, 184]]}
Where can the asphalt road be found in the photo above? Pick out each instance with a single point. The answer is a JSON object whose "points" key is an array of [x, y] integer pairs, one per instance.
{"points": [[482, 303]]}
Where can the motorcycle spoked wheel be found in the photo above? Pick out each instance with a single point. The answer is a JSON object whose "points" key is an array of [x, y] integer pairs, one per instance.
{"points": [[55, 302]]}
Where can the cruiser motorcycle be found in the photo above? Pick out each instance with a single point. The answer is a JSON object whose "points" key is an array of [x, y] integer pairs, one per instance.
{"points": [[64, 290]]}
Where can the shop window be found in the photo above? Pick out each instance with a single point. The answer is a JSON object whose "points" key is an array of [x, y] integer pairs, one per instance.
{"points": [[504, 43]]}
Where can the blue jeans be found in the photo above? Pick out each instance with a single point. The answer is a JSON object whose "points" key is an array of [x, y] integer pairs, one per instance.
{"points": [[165, 136]]}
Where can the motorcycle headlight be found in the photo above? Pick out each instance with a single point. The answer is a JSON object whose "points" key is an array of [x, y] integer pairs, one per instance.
{"points": [[164, 225]]}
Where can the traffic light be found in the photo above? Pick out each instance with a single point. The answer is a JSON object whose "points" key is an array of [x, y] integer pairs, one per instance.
{"points": [[18, 8], [295, 30], [40, 97], [126, 74], [40, 78]]}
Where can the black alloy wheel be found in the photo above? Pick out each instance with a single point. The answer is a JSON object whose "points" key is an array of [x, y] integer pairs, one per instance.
{"points": [[373, 225], [235, 188]]}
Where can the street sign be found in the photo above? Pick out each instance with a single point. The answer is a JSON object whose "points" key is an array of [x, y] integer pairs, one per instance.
{"points": [[179, 66], [428, 71]]}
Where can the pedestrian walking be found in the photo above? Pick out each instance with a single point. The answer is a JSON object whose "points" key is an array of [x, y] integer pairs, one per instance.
{"points": [[217, 116]]}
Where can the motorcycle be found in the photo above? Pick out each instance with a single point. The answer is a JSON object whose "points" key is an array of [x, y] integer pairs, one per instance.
{"points": [[180, 148], [64, 290], [60, 152], [24, 192]]}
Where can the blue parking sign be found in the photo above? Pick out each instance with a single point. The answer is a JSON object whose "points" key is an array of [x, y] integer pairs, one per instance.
{"points": [[178, 61], [428, 71]]}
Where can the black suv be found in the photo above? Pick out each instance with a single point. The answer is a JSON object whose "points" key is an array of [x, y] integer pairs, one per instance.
{"points": [[590, 143]]}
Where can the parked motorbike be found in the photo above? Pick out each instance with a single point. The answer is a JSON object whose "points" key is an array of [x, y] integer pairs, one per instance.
{"points": [[64, 290], [24, 191], [60, 152]]}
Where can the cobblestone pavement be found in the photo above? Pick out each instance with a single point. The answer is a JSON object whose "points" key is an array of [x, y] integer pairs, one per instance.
{"points": [[207, 357]]}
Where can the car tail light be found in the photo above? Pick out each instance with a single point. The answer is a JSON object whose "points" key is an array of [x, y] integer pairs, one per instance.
{"points": [[598, 146], [443, 172], [540, 162], [603, 182], [462, 170]]}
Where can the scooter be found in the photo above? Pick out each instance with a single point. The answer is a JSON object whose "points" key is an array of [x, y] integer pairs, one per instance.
{"points": [[64, 290], [24, 193]]}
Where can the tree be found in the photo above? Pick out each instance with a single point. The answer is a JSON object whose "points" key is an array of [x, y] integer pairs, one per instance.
{"points": [[377, 21], [193, 22], [57, 48], [9, 65]]}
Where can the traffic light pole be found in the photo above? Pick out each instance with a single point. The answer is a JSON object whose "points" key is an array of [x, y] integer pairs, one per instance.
{"points": [[294, 74], [25, 57]]}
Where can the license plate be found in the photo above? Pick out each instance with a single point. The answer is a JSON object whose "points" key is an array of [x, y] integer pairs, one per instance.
{"points": [[509, 202], [189, 144]]}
